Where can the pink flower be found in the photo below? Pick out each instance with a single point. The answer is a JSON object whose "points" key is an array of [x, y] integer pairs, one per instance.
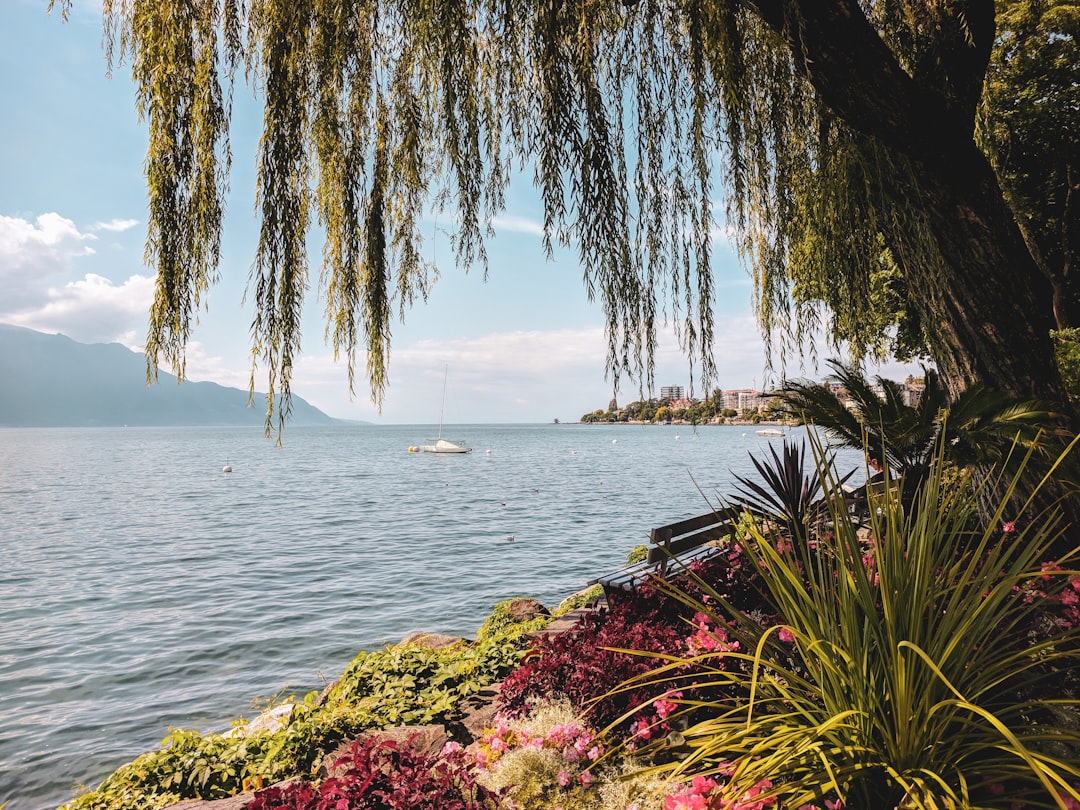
{"points": [[664, 708], [685, 801], [586, 779], [1009, 526], [641, 729], [703, 785], [785, 635], [563, 779], [594, 753]]}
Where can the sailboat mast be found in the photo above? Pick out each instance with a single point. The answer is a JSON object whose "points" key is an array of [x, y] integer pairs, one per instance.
{"points": [[442, 407]]}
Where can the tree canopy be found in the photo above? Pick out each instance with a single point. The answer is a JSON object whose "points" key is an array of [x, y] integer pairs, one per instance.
{"points": [[840, 136]]}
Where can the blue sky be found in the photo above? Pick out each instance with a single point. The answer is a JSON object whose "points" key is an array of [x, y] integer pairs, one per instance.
{"points": [[524, 346]]}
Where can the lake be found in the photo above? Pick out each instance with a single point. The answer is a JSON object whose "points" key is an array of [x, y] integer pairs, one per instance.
{"points": [[142, 588]]}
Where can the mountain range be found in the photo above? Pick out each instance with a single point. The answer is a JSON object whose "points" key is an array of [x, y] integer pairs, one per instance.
{"points": [[52, 381]]}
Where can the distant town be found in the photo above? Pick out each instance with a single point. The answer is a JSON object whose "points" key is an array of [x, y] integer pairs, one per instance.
{"points": [[721, 407]]}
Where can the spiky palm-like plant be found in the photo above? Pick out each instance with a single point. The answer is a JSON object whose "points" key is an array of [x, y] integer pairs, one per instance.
{"points": [[907, 676], [790, 491], [979, 426]]}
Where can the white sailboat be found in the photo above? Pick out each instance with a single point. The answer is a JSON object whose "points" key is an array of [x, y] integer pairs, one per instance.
{"points": [[444, 445]]}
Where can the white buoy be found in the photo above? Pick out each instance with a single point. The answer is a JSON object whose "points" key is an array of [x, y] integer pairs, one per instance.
{"points": [[614, 441], [227, 468], [488, 451]]}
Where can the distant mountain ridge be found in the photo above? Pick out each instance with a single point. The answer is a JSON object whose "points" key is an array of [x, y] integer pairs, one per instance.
{"points": [[52, 381]]}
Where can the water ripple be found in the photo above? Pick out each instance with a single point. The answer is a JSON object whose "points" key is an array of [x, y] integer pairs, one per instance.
{"points": [[143, 589]]}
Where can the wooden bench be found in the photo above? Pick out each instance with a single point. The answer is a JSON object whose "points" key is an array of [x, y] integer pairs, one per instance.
{"points": [[685, 540]]}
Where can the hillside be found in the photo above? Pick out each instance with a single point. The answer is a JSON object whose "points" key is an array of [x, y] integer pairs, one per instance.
{"points": [[52, 381]]}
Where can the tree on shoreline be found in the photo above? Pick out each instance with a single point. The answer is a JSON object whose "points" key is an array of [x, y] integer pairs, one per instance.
{"points": [[843, 133]]}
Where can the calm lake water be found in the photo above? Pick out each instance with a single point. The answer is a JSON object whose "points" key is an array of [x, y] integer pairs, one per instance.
{"points": [[143, 589]]}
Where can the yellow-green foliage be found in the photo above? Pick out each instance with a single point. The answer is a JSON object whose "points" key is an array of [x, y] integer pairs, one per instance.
{"points": [[501, 620], [579, 599], [379, 689], [188, 765]]}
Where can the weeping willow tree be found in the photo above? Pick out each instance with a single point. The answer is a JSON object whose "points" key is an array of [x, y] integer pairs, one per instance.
{"points": [[839, 136]]}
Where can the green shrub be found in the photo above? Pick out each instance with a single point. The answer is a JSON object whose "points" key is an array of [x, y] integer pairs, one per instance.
{"points": [[379, 689]]}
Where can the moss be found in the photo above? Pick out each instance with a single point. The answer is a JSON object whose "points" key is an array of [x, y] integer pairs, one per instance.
{"points": [[579, 599], [502, 620]]}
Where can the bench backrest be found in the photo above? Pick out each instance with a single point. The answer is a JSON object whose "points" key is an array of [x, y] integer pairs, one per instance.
{"points": [[676, 538]]}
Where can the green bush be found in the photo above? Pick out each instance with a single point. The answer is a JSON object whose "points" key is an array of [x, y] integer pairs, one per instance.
{"points": [[402, 685]]}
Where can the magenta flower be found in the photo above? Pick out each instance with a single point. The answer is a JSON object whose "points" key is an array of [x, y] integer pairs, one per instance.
{"points": [[1009, 526]]}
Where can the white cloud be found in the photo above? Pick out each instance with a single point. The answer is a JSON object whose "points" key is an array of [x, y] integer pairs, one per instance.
{"points": [[201, 364], [115, 225], [91, 310], [32, 250], [520, 376], [45, 283], [516, 224]]}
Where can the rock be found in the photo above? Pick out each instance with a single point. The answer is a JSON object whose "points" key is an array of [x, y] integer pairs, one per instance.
{"points": [[565, 622], [424, 740], [325, 693], [271, 720], [435, 641], [524, 609], [475, 713]]}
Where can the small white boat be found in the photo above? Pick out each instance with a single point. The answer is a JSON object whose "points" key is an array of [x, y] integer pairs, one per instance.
{"points": [[769, 432], [444, 445]]}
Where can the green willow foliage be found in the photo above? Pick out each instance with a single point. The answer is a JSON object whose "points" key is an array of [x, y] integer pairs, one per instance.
{"points": [[635, 116]]}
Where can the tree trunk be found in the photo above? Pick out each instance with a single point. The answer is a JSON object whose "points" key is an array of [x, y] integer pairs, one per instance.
{"points": [[987, 306]]}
